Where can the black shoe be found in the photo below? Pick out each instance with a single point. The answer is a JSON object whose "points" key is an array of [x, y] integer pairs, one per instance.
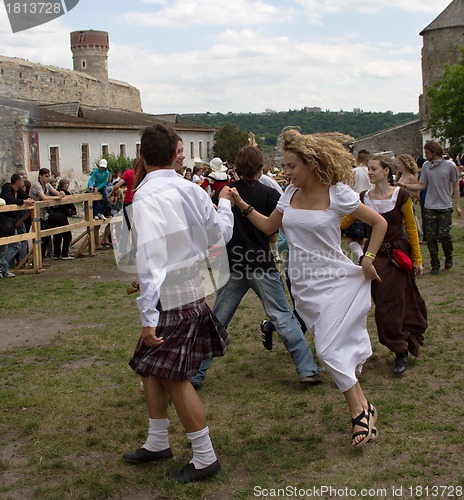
{"points": [[435, 270], [401, 363], [312, 379], [449, 263], [142, 455], [188, 473], [266, 335]]}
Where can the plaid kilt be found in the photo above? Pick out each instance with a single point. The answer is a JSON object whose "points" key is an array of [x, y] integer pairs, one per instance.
{"points": [[357, 230], [191, 333]]}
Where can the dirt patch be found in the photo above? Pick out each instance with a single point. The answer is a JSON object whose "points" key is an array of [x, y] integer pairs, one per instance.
{"points": [[33, 332]]}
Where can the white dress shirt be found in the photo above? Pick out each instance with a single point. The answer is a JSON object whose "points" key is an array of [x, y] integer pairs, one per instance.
{"points": [[175, 224]]}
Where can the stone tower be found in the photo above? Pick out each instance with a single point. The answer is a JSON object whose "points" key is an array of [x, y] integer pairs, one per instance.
{"points": [[442, 40], [90, 53]]}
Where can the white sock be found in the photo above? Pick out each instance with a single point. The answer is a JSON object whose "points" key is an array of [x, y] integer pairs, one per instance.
{"points": [[158, 438], [357, 250], [203, 453]]}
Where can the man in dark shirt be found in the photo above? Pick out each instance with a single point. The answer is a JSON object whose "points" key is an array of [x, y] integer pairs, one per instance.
{"points": [[252, 266], [13, 194]]}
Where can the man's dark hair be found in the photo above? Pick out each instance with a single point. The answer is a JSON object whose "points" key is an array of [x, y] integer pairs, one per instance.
{"points": [[434, 147], [248, 163], [15, 178], [363, 155], [158, 145]]}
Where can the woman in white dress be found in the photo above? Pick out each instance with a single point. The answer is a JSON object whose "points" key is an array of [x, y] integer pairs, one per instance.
{"points": [[332, 294]]}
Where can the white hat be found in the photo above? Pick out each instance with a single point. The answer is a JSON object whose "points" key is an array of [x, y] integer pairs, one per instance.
{"points": [[217, 165], [103, 163]]}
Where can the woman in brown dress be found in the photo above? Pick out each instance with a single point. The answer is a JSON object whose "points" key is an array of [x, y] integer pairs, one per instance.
{"points": [[400, 311]]}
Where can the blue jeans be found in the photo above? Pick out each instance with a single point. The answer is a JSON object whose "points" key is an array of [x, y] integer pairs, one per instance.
{"points": [[8, 252], [270, 290], [100, 206]]}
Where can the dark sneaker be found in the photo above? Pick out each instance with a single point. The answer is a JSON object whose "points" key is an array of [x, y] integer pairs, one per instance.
{"points": [[435, 270], [188, 473], [142, 455], [197, 381], [312, 379], [266, 335], [449, 263]]}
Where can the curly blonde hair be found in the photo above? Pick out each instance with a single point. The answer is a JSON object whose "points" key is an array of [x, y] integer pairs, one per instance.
{"points": [[333, 163], [409, 162]]}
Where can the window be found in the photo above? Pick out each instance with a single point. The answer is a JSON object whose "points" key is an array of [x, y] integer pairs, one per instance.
{"points": [[192, 150], [200, 150], [54, 156], [137, 149], [122, 150], [83, 64], [208, 150], [104, 149], [85, 158]]}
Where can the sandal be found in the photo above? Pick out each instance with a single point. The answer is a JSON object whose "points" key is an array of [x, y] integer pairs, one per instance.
{"points": [[371, 409], [358, 421]]}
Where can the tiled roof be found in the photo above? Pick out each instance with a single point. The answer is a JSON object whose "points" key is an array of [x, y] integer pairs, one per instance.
{"points": [[74, 115], [451, 17]]}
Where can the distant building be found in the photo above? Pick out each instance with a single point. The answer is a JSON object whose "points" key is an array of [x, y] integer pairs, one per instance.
{"points": [[66, 120], [313, 109]]}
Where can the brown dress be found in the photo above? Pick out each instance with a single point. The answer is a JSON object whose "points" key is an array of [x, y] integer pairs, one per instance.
{"points": [[400, 311]]}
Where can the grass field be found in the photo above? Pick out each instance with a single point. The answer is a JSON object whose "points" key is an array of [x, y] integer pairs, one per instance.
{"points": [[70, 405]]}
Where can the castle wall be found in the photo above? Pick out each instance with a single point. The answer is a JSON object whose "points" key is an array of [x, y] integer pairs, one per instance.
{"points": [[21, 79], [12, 122], [399, 140], [440, 47]]}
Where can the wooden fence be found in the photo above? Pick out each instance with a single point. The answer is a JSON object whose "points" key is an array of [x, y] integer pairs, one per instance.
{"points": [[88, 239]]}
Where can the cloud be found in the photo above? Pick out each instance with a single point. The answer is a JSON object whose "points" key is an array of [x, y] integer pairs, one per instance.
{"points": [[212, 13], [319, 7], [256, 72]]}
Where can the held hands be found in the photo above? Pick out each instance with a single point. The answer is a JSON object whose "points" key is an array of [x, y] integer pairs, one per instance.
{"points": [[149, 337], [238, 200], [226, 192]]}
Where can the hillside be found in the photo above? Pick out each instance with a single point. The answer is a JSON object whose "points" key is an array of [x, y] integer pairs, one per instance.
{"points": [[267, 126]]}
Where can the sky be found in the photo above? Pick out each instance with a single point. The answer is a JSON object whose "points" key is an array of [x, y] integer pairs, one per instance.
{"points": [[240, 56]]}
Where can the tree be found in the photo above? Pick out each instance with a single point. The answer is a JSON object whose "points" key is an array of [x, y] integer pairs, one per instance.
{"points": [[116, 163], [228, 141], [446, 106]]}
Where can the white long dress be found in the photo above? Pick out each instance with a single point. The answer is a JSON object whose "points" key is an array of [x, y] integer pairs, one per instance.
{"points": [[330, 291]]}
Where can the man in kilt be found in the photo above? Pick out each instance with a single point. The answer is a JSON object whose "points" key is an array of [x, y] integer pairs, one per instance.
{"points": [[175, 223]]}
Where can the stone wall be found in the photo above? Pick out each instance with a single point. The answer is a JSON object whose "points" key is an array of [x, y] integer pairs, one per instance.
{"points": [[12, 122], [21, 79], [440, 47], [403, 139]]}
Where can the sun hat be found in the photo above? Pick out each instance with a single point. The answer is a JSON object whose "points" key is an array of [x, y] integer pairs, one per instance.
{"points": [[103, 163], [217, 165]]}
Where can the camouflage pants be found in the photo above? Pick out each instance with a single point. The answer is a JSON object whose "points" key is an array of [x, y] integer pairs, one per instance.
{"points": [[438, 224]]}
